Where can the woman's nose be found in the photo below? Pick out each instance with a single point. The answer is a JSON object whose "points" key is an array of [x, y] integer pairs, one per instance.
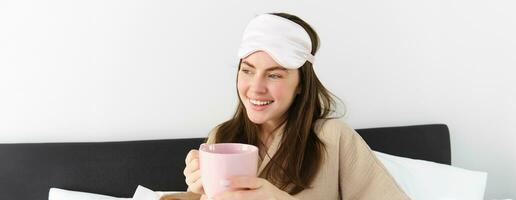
{"points": [[258, 85]]}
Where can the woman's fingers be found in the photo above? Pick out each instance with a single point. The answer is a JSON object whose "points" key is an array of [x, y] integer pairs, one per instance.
{"points": [[196, 187], [192, 172], [191, 167], [250, 188], [193, 154], [244, 182], [241, 195], [192, 162], [193, 177]]}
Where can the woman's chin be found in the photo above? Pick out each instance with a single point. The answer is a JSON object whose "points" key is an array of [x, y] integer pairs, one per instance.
{"points": [[256, 119]]}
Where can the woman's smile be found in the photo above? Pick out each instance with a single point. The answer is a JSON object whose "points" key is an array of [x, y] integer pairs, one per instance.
{"points": [[260, 105]]}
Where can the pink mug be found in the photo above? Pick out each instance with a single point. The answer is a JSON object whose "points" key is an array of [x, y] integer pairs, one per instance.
{"points": [[223, 160]]}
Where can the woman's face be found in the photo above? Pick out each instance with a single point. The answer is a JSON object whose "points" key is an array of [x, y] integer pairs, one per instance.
{"points": [[266, 89]]}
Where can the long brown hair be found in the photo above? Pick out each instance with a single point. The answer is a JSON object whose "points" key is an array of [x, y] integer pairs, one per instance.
{"points": [[298, 159]]}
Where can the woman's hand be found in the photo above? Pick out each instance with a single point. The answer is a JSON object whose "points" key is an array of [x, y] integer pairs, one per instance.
{"points": [[250, 188], [192, 172]]}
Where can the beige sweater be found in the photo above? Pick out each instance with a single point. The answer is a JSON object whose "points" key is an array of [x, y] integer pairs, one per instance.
{"points": [[349, 171]]}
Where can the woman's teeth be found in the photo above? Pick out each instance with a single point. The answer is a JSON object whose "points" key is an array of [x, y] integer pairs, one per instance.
{"points": [[260, 103]]}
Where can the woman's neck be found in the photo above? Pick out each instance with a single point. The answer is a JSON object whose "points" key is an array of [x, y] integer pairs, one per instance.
{"points": [[266, 137], [267, 131], [271, 126]]}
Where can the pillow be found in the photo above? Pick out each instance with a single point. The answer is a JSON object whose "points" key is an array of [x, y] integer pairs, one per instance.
{"points": [[425, 180], [60, 194], [141, 193]]}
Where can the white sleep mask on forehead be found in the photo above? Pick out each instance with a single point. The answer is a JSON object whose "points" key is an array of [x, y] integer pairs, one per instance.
{"points": [[285, 41]]}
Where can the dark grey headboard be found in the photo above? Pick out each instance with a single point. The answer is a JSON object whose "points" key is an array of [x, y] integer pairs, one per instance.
{"points": [[428, 142], [27, 171]]}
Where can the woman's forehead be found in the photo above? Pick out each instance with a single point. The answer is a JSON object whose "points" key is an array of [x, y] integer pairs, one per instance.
{"points": [[262, 60]]}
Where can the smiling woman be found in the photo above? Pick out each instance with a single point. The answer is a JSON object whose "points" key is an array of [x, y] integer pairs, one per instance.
{"points": [[287, 112]]}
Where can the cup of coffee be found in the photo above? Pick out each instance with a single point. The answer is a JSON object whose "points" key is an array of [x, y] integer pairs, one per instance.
{"points": [[218, 162]]}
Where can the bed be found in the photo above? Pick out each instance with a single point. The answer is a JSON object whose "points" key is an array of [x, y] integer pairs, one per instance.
{"points": [[28, 170]]}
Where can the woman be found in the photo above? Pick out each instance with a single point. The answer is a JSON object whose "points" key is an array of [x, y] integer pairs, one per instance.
{"points": [[285, 111]]}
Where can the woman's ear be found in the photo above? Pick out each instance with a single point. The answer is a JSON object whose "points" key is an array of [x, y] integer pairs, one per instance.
{"points": [[298, 89]]}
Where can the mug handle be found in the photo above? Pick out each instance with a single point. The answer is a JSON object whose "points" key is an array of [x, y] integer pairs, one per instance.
{"points": [[202, 146]]}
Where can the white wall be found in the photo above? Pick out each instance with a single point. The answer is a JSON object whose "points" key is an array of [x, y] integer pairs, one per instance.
{"points": [[126, 70]]}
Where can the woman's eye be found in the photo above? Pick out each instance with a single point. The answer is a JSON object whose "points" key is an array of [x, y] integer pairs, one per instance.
{"points": [[274, 76], [245, 71]]}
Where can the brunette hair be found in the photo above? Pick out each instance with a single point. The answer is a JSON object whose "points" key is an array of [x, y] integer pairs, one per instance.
{"points": [[298, 159]]}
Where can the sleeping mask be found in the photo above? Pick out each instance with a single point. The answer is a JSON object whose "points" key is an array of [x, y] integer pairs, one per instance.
{"points": [[285, 41]]}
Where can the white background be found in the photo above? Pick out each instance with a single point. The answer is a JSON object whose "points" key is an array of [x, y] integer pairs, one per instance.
{"points": [[127, 70]]}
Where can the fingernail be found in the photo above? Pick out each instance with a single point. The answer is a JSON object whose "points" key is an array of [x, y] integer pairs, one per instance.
{"points": [[224, 183]]}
